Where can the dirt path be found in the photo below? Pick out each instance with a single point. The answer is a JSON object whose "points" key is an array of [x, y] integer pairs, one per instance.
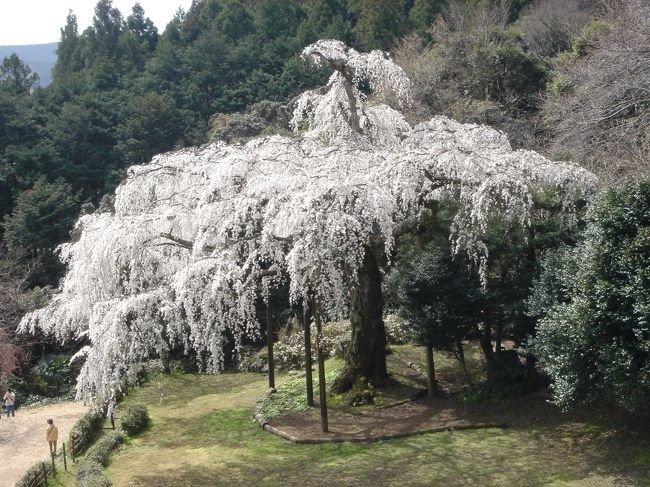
{"points": [[22, 439]]}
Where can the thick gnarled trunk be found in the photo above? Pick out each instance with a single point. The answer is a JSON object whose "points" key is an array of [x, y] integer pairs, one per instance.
{"points": [[365, 358]]}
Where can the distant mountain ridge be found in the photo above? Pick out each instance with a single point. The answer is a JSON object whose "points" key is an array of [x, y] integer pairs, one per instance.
{"points": [[39, 57]]}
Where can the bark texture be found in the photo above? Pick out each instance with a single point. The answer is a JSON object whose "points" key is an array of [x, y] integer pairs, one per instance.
{"points": [[365, 359]]}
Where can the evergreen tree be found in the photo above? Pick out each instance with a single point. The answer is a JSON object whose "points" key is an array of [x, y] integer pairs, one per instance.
{"points": [[16, 77], [423, 13], [67, 61], [380, 23]]}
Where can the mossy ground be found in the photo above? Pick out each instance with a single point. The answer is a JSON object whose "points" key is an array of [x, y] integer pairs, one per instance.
{"points": [[203, 434]]}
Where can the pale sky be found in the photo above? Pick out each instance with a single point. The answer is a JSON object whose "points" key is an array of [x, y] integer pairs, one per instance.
{"points": [[40, 21]]}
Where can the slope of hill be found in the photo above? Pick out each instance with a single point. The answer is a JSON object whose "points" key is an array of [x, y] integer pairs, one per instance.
{"points": [[39, 57]]}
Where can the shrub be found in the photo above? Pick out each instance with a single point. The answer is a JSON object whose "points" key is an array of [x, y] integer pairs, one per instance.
{"points": [[88, 469], [26, 479], [265, 117], [398, 331], [94, 481], [135, 419], [593, 307], [289, 350], [101, 451], [89, 473], [252, 359], [86, 429]]}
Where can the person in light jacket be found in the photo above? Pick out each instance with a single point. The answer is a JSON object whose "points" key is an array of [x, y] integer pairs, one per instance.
{"points": [[52, 435], [10, 402]]}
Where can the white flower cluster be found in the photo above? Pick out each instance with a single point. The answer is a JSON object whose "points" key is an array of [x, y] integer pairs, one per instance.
{"points": [[195, 231]]}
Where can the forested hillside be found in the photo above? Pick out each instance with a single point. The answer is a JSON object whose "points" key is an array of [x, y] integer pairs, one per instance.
{"points": [[568, 78]]}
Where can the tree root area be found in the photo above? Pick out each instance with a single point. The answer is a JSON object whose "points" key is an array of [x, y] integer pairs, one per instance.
{"points": [[420, 416]]}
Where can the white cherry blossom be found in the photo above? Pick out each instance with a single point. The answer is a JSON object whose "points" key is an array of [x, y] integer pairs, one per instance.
{"points": [[194, 232]]}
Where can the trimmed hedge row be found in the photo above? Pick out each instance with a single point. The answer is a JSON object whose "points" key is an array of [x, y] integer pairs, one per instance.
{"points": [[101, 451], [26, 479], [86, 429], [89, 473]]}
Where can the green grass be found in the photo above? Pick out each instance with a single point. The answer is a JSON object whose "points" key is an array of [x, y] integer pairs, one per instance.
{"points": [[203, 434], [290, 395]]}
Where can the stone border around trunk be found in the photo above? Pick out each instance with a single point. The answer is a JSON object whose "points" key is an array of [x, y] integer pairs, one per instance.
{"points": [[264, 423]]}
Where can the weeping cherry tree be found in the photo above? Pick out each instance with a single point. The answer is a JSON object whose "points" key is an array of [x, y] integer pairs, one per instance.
{"points": [[193, 233]]}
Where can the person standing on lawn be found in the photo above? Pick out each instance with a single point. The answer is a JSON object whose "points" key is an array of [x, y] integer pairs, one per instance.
{"points": [[10, 402], [52, 436]]}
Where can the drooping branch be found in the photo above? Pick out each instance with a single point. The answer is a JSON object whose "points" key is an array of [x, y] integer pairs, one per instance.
{"points": [[186, 244]]}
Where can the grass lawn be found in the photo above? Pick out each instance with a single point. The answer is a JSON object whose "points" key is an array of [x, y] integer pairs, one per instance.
{"points": [[203, 434]]}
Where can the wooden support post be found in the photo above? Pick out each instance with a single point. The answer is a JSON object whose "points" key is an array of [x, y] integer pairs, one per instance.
{"points": [[431, 372], [112, 421], [308, 364], [269, 339], [321, 369], [65, 459], [45, 473]]}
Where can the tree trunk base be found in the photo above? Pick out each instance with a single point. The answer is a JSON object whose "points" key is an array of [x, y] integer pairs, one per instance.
{"points": [[365, 359]]}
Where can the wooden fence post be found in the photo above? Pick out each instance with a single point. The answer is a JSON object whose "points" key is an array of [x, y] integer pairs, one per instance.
{"points": [[44, 474], [308, 361], [321, 369], [112, 421], [65, 460], [269, 338], [73, 448]]}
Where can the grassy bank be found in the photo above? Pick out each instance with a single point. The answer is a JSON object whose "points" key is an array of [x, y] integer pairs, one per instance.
{"points": [[203, 434]]}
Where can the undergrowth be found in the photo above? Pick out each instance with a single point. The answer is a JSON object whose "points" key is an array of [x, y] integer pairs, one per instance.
{"points": [[290, 396]]}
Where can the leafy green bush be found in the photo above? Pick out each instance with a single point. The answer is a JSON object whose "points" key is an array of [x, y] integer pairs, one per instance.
{"points": [[264, 117], [90, 474], [593, 305], [289, 350], [94, 481], [135, 419], [101, 451], [26, 479], [85, 430], [398, 331]]}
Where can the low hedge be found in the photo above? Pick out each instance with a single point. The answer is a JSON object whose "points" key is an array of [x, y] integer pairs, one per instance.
{"points": [[101, 451], [89, 473], [26, 479], [135, 419], [86, 429]]}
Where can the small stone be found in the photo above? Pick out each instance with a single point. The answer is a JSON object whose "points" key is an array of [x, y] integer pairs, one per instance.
{"points": [[293, 372], [272, 390]]}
